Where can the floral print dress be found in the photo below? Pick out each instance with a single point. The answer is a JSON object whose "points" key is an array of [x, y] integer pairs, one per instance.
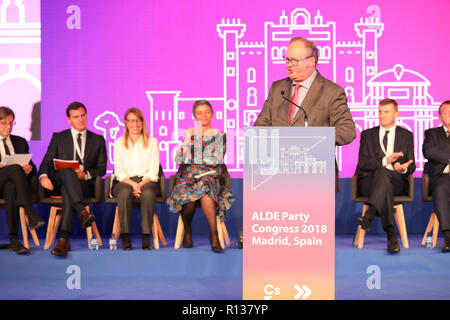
{"points": [[198, 155]]}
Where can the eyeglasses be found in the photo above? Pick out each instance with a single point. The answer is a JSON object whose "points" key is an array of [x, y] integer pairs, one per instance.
{"points": [[7, 123], [294, 62], [132, 121]]}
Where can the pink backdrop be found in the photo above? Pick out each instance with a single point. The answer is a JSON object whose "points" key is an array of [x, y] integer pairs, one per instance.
{"points": [[161, 56]]}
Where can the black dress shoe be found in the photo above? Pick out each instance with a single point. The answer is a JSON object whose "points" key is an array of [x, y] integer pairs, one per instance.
{"points": [[364, 222], [187, 244], [393, 246], [18, 247], [35, 223], [86, 219], [62, 247], [126, 242], [446, 247], [146, 245], [187, 241]]}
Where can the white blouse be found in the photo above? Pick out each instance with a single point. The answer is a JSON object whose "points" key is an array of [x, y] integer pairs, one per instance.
{"points": [[136, 160]]}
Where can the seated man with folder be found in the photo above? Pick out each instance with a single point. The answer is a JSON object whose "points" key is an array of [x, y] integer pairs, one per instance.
{"points": [[89, 149], [15, 180]]}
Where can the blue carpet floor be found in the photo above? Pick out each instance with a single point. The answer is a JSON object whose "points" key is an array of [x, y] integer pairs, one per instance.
{"points": [[200, 274]]}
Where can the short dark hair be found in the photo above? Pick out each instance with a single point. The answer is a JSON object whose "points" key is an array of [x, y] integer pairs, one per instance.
{"points": [[388, 101], [74, 106], [445, 102], [6, 112], [199, 103]]}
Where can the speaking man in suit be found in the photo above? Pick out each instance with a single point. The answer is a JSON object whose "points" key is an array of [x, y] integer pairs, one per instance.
{"points": [[436, 148], [76, 143], [15, 181], [323, 101], [386, 159]]}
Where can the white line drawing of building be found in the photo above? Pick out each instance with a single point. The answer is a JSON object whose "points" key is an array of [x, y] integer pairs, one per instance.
{"points": [[295, 160], [249, 67], [20, 62], [111, 127]]}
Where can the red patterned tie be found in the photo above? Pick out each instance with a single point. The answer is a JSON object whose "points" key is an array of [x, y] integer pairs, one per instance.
{"points": [[294, 99]]}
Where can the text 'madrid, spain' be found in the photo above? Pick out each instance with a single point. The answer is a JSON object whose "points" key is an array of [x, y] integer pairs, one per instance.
{"points": [[289, 176]]}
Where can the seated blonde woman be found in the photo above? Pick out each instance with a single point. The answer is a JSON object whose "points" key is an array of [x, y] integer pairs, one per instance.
{"points": [[136, 168]]}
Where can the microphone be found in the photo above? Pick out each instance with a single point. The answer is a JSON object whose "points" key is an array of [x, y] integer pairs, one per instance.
{"points": [[306, 116]]}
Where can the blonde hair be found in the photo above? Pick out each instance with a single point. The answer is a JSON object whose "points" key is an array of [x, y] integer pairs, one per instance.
{"points": [[126, 137]]}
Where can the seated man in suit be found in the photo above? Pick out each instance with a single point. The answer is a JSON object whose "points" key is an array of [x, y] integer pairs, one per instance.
{"points": [[436, 148], [89, 149], [15, 182], [386, 159]]}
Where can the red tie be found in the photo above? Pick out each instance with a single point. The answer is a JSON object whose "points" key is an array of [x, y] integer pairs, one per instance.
{"points": [[294, 99]]}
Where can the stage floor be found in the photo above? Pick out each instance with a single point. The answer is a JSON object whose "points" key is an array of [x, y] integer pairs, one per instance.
{"points": [[200, 274]]}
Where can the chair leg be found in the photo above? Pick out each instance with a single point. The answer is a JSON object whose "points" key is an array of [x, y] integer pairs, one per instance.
{"points": [[55, 227], [50, 236], [361, 233], [155, 232], [96, 233], [180, 233], [220, 232], [435, 230], [93, 229], [400, 220], [89, 235], [116, 225], [160, 232], [429, 228], [23, 225], [32, 232], [225, 233]]}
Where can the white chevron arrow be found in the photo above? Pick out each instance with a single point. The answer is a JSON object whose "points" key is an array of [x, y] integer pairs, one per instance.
{"points": [[303, 291]]}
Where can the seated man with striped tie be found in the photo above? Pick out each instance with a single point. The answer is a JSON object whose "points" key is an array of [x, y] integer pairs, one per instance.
{"points": [[436, 148], [386, 159], [76, 143], [15, 181]]}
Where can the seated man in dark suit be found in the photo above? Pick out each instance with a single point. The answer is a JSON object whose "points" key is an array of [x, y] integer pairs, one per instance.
{"points": [[89, 149], [14, 181], [386, 159], [436, 148]]}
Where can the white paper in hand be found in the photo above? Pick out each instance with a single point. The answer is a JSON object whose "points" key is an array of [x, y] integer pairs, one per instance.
{"points": [[20, 159]]}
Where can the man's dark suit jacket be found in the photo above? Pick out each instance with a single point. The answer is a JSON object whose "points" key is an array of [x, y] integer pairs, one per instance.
{"points": [[371, 155], [62, 147], [437, 150], [325, 103], [21, 146]]}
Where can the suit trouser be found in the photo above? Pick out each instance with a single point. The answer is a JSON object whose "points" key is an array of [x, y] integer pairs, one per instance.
{"points": [[440, 190], [15, 188], [124, 194], [72, 191], [380, 187]]}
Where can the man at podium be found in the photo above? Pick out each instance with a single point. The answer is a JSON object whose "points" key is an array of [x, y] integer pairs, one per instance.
{"points": [[305, 98]]}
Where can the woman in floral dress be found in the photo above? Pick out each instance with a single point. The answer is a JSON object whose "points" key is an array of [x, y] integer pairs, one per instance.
{"points": [[201, 176]]}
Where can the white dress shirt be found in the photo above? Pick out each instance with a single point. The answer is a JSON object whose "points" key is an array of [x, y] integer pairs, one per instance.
{"points": [[303, 90], [9, 144], [136, 160], [390, 146], [76, 149]]}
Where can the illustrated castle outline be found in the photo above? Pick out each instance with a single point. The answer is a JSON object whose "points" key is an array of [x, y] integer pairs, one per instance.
{"points": [[250, 67]]}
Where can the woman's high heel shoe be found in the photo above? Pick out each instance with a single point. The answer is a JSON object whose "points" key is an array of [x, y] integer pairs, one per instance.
{"points": [[216, 248]]}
